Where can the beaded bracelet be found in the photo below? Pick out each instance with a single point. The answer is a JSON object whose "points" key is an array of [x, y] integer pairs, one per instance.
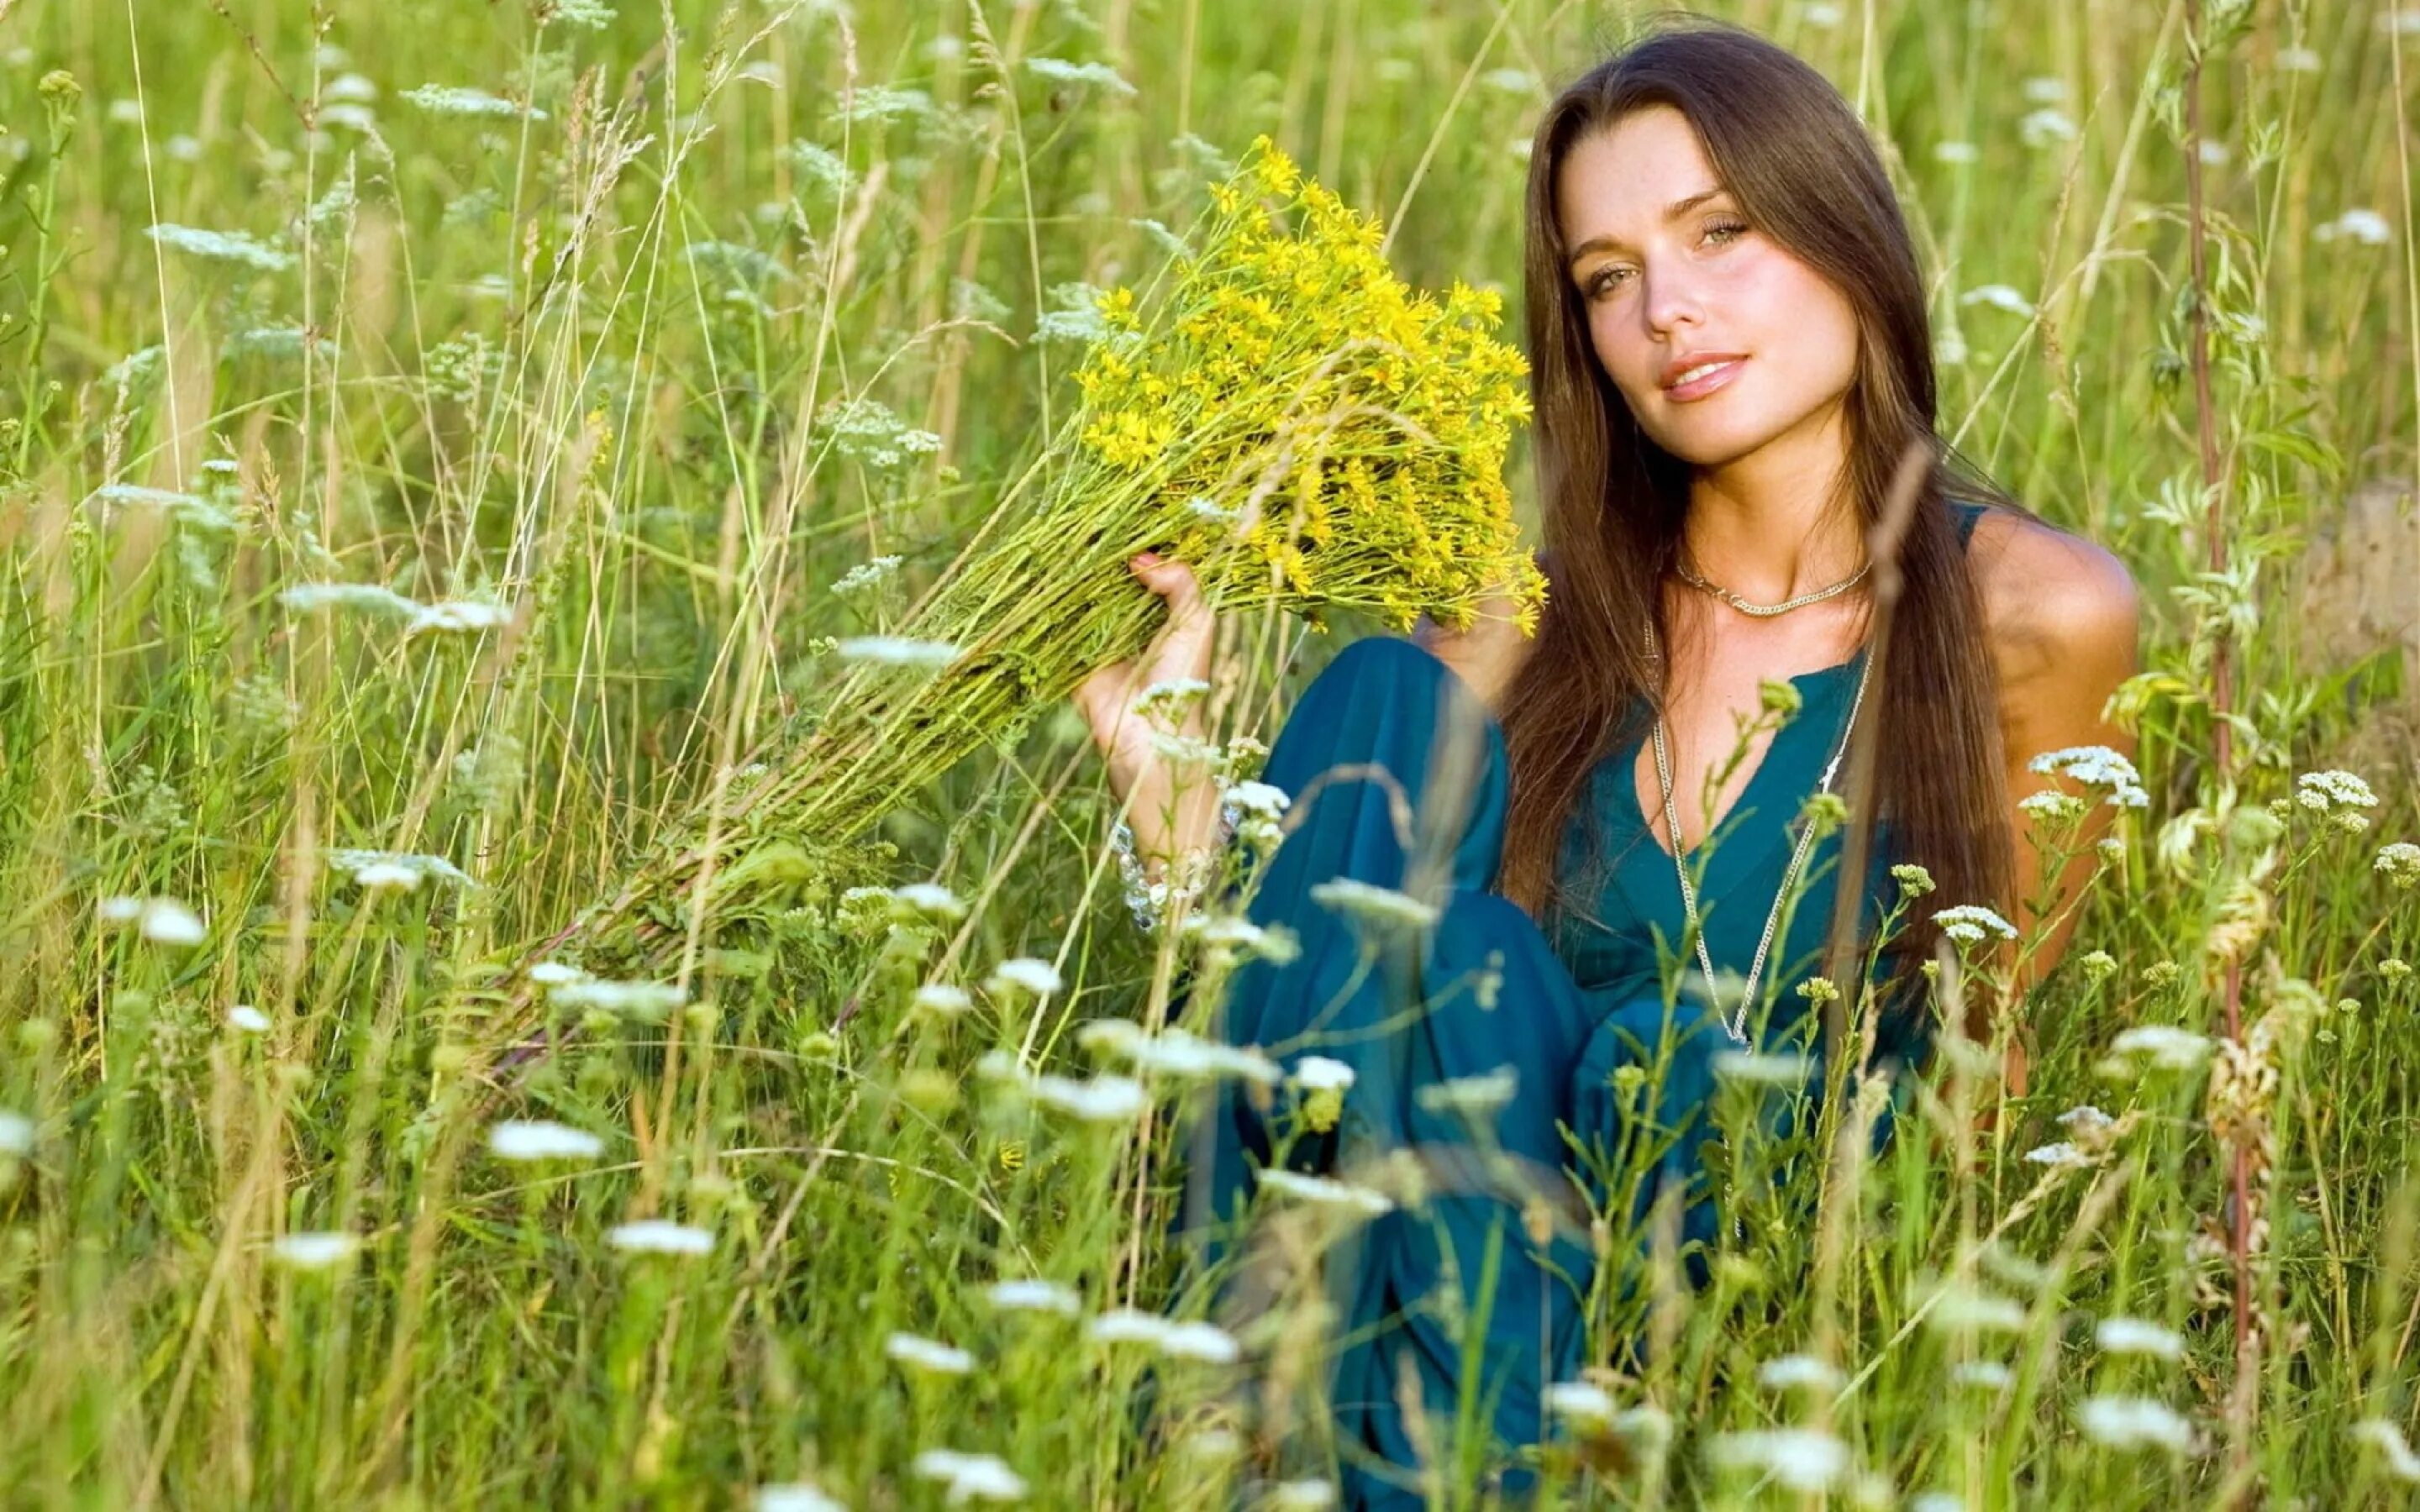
{"points": [[1150, 902]]}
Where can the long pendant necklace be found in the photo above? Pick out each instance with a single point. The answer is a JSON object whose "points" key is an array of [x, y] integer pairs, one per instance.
{"points": [[1737, 1027], [1766, 611]]}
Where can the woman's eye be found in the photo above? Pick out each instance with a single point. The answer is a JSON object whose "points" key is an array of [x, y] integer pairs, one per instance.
{"points": [[1602, 281], [1735, 228]]}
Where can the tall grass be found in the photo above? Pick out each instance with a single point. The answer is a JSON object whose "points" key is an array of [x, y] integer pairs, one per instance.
{"points": [[615, 375]]}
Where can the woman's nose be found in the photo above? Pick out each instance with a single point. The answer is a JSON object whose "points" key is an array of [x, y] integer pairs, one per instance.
{"points": [[1672, 298]]}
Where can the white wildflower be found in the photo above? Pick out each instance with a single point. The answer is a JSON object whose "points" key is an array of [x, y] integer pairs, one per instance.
{"points": [[1320, 1073], [659, 1236], [248, 1019], [1301, 1496], [161, 920], [1207, 1342], [931, 900], [922, 1354], [1792, 1371], [2044, 89], [542, 1139], [2091, 1128], [1177, 1053], [401, 870], [2133, 1423], [313, 1251], [221, 246], [2137, 1336], [1061, 73], [1024, 973], [1953, 151], [2041, 128], [304, 597], [1033, 1296], [943, 998], [1372, 904], [1101, 1100], [2061, 1153], [2167, 1045], [2366, 226], [1262, 798], [16, 1134], [1803, 1459], [555, 974], [2322, 790], [167, 921], [2388, 1439], [448, 99], [1970, 923], [1999, 297], [2299, 60], [1760, 1069], [596, 15], [2052, 806], [898, 651], [1479, 1097], [882, 104], [867, 574], [457, 616], [351, 86], [1821, 14], [1582, 1402], [970, 1477], [2097, 766], [1231, 931], [1990, 1374], [2398, 863], [1936, 1501], [796, 1496], [385, 876], [642, 999], [1127, 1325], [1326, 1191]]}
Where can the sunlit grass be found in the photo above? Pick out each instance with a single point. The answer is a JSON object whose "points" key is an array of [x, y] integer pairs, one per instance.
{"points": [[410, 522]]}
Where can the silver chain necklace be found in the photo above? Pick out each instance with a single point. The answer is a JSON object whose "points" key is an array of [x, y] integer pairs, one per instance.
{"points": [[1737, 1027], [1765, 611]]}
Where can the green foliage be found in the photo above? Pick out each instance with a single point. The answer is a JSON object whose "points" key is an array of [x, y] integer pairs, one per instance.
{"points": [[438, 444]]}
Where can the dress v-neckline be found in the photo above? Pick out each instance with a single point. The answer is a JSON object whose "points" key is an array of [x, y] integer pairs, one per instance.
{"points": [[1755, 776]]}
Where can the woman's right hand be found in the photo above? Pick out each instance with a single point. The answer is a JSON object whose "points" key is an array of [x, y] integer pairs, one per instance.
{"points": [[1180, 650]]}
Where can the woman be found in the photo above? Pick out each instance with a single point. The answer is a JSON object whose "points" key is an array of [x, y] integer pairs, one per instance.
{"points": [[1729, 354]]}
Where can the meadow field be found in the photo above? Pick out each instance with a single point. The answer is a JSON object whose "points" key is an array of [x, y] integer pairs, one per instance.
{"points": [[446, 447]]}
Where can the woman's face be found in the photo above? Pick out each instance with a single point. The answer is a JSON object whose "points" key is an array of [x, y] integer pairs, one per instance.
{"points": [[1670, 289]]}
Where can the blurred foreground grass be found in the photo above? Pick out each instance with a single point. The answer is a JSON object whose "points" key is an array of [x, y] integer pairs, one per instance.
{"points": [[636, 370]]}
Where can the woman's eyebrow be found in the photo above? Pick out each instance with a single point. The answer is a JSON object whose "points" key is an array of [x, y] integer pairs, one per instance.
{"points": [[1671, 212]]}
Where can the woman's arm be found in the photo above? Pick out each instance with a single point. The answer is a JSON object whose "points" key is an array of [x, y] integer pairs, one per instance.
{"points": [[2063, 619], [1490, 651]]}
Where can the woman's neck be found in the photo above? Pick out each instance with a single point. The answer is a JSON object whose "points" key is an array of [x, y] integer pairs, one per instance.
{"points": [[1764, 525]]}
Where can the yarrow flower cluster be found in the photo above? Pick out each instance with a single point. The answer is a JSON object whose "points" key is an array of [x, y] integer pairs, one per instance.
{"points": [[160, 920], [2398, 863], [1973, 923], [2097, 766]]}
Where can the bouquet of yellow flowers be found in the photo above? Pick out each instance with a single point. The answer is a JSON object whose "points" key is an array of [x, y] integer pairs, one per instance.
{"points": [[1279, 410]]}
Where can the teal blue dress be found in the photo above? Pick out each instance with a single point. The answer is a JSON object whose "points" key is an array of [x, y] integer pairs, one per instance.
{"points": [[1477, 1292]]}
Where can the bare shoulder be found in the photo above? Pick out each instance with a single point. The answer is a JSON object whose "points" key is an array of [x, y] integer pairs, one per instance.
{"points": [[2059, 608]]}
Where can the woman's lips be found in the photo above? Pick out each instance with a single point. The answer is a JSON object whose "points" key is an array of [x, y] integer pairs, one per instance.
{"points": [[1697, 388]]}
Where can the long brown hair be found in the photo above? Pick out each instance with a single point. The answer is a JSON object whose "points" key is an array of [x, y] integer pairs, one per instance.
{"points": [[1795, 156]]}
